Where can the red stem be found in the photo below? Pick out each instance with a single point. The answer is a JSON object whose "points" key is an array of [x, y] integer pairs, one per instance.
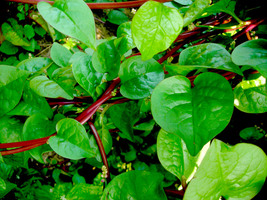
{"points": [[100, 147], [111, 5], [19, 150], [175, 193]]}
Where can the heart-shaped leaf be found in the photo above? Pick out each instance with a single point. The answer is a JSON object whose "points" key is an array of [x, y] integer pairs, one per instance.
{"points": [[252, 53], [234, 172], [139, 77], [196, 115], [34, 64], [71, 140], [135, 185], [251, 95], [209, 55], [155, 27], [11, 86], [71, 17]]}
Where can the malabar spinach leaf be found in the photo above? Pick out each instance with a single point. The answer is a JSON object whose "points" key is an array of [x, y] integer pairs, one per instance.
{"points": [[60, 55]]}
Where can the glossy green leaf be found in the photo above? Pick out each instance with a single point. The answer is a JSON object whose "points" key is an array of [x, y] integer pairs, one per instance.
{"points": [[38, 126], [155, 27], [60, 55], [124, 116], [65, 79], [139, 78], [117, 17], [251, 96], [71, 140], [10, 129], [106, 59], [85, 191], [174, 156], [71, 17], [44, 87], [252, 53], [11, 86], [8, 48], [196, 115], [31, 103], [34, 64], [85, 74], [137, 185], [13, 36], [234, 172], [209, 55], [252, 133], [195, 11]]}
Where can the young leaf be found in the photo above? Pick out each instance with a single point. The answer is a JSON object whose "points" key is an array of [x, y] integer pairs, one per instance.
{"points": [[71, 140], [124, 32], [196, 115], [251, 96], [195, 11], [85, 74], [106, 59], [252, 133], [139, 78], [174, 156], [208, 55], [252, 53], [34, 64], [11, 86], [124, 116], [29, 31], [8, 48], [135, 185], [60, 55], [233, 172], [38, 126], [44, 87], [31, 104], [117, 17], [155, 27], [71, 17]]}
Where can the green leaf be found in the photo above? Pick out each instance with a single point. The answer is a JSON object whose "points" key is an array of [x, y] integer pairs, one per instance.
{"points": [[31, 104], [71, 17], [252, 133], [85, 74], [33, 46], [60, 55], [2, 185], [196, 115], [234, 172], [124, 33], [85, 191], [71, 140], [8, 48], [9, 187], [195, 11], [34, 64], [117, 17], [11, 86], [38, 126], [139, 78], [252, 53], [10, 129], [209, 55], [251, 95], [29, 31], [65, 79], [124, 116], [155, 27], [174, 156], [44, 87], [184, 2], [135, 185], [106, 59], [13, 36]]}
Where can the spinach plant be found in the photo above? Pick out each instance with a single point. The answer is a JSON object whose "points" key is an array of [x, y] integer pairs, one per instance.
{"points": [[143, 114]]}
